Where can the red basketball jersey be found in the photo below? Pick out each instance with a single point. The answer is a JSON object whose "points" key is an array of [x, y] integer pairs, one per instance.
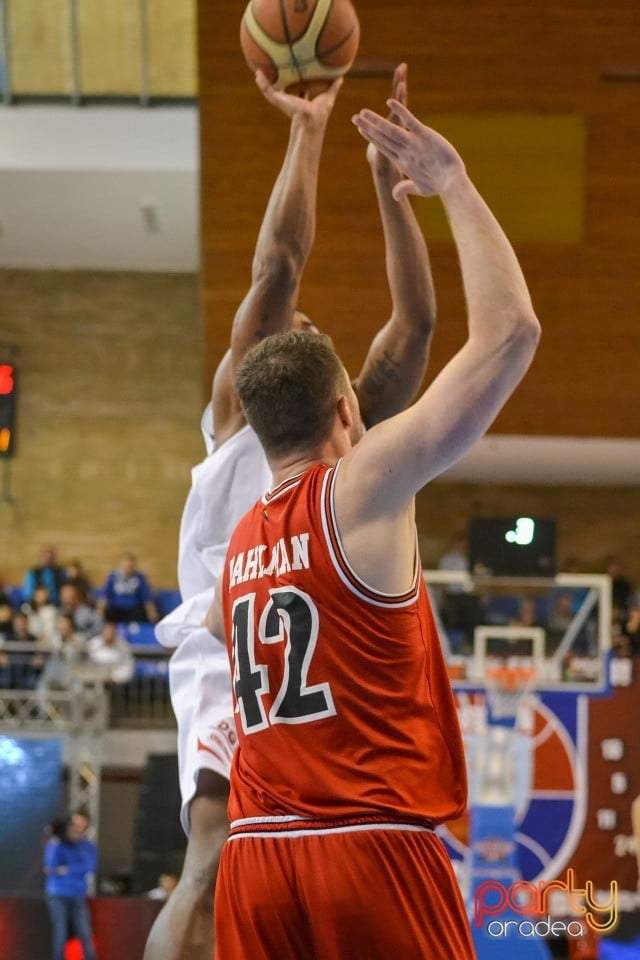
{"points": [[343, 702]]}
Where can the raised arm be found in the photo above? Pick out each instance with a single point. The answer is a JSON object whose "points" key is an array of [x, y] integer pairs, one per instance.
{"points": [[397, 359], [283, 247], [381, 474]]}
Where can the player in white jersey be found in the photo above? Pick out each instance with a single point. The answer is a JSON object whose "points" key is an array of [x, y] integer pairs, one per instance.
{"points": [[234, 474]]}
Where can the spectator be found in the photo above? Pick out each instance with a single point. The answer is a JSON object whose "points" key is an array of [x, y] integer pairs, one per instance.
{"points": [[42, 616], [560, 617], [70, 861], [631, 627], [67, 647], [456, 558], [49, 574], [86, 620], [527, 614], [621, 586], [26, 667], [461, 610], [127, 595], [6, 612], [167, 882], [579, 594], [6, 636], [621, 592], [5, 670], [77, 577], [111, 651]]}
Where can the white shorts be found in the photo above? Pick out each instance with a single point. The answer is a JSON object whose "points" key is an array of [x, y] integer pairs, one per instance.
{"points": [[200, 686]]}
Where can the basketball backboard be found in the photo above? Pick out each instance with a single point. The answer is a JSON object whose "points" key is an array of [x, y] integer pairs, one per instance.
{"points": [[560, 626]]}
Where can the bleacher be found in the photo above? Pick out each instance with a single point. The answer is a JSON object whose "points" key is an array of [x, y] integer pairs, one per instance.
{"points": [[143, 701]]}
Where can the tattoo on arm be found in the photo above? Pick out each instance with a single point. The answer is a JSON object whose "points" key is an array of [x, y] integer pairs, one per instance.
{"points": [[384, 371]]}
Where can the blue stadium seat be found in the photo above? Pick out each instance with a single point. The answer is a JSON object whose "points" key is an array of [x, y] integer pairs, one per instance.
{"points": [[167, 600], [501, 610], [151, 669], [139, 634], [15, 595]]}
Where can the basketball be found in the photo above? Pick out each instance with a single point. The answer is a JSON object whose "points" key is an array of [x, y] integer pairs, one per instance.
{"points": [[298, 43]]}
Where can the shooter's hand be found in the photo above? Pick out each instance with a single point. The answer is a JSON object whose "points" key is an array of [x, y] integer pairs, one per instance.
{"points": [[317, 109]]}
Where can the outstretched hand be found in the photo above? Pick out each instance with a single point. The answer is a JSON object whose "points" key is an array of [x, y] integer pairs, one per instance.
{"points": [[424, 156], [317, 108], [379, 163]]}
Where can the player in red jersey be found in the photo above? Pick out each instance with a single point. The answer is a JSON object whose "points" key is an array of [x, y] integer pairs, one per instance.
{"points": [[234, 473], [349, 747]]}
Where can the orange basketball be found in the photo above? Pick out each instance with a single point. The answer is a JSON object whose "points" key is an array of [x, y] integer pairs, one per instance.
{"points": [[299, 42]]}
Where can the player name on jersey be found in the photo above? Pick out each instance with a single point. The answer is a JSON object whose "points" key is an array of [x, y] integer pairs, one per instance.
{"points": [[284, 557]]}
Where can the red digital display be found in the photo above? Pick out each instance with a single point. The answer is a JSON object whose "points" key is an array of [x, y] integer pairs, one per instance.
{"points": [[7, 379], [8, 397]]}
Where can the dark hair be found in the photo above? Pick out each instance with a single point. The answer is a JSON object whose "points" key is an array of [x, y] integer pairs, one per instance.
{"points": [[288, 385], [58, 828]]}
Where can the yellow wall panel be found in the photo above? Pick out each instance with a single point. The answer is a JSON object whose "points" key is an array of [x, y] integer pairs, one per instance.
{"points": [[530, 168], [172, 47], [40, 46], [110, 44]]}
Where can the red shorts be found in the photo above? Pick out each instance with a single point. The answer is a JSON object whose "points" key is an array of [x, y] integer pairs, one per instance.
{"points": [[362, 895]]}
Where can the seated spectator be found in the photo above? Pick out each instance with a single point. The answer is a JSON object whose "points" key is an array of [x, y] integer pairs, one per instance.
{"points": [[167, 882], [127, 595], [6, 612], [460, 610], [86, 620], [42, 615], [621, 591], [110, 650], [579, 594], [6, 631], [621, 586], [5, 599], [631, 628], [49, 574], [68, 648], [76, 576], [5, 671], [560, 617], [26, 667], [527, 614], [456, 558]]}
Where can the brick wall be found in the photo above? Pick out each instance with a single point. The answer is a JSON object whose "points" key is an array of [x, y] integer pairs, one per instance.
{"points": [[110, 400], [592, 521], [108, 416]]}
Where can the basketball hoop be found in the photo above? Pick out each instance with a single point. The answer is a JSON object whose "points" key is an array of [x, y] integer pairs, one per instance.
{"points": [[506, 687]]}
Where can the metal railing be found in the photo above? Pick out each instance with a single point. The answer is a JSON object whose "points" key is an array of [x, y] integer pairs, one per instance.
{"points": [[90, 702]]}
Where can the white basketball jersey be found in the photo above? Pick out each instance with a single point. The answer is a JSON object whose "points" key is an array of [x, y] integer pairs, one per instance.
{"points": [[224, 486]]}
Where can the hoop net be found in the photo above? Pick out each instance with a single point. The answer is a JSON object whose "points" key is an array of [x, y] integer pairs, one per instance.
{"points": [[506, 687]]}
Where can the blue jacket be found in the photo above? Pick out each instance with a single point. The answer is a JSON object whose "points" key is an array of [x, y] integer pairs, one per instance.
{"points": [[80, 860], [126, 593]]}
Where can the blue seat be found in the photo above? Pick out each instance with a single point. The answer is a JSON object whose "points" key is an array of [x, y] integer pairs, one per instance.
{"points": [[15, 596], [152, 669], [501, 610], [167, 600], [139, 634]]}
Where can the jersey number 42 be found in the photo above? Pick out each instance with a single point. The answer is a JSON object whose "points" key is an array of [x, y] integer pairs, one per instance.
{"points": [[290, 617]]}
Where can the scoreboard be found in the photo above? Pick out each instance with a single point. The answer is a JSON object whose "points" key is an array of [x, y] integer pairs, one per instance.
{"points": [[8, 392]]}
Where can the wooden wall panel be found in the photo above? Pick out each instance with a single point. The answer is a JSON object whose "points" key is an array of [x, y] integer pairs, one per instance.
{"points": [[110, 45], [464, 57], [172, 48], [40, 50]]}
